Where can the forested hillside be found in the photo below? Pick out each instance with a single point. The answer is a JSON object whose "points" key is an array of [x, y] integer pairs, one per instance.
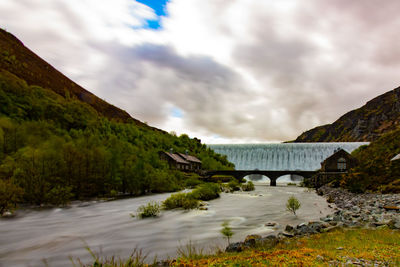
{"points": [[22, 62], [377, 117], [55, 147]]}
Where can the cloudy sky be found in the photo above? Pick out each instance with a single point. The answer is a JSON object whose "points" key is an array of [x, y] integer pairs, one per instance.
{"points": [[222, 70]]}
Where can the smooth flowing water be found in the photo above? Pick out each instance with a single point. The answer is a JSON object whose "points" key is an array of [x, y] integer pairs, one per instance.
{"points": [[57, 234], [290, 156]]}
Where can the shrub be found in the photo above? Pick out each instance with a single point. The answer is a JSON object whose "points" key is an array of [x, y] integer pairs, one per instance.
{"points": [[234, 185], [152, 209], [192, 182], [249, 186], [180, 200], [293, 204], [206, 192]]}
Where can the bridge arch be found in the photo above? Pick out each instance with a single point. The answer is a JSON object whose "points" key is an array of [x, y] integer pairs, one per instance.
{"points": [[272, 175]]}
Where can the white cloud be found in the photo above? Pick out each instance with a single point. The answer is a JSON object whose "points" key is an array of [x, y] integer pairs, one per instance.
{"points": [[242, 70]]}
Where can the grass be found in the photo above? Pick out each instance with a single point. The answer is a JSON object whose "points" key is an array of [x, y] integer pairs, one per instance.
{"points": [[381, 246]]}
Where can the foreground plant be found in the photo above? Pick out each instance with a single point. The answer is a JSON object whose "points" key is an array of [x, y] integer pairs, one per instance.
{"points": [[293, 204], [226, 231], [152, 209]]}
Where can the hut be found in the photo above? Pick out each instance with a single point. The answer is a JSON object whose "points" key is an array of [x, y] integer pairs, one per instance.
{"points": [[175, 161], [339, 161], [333, 168], [195, 163]]}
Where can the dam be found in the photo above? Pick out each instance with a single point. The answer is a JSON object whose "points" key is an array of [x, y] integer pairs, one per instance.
{"points": [[282, 156]]}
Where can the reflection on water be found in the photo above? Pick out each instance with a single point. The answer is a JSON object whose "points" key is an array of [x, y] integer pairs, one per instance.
{"points": [[56, 234]]}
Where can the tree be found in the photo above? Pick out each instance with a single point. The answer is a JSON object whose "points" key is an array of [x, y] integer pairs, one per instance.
{"points": [[10, 194], [226, 231], [293, 204]]}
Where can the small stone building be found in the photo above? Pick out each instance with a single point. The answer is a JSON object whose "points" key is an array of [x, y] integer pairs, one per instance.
{"points": [[195, 163], [333, 167], [175, 161], [340, 161], [180, 161]]}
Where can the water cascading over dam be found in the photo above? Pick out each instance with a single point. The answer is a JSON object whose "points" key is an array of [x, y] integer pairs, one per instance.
{"points": [[282, 156]]}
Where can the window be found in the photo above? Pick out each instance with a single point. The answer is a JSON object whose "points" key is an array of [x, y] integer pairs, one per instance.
{"points": [[341, 164]]}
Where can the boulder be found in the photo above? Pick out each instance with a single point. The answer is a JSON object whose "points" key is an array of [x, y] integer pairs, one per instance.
{"points": [[289, 228], [235, 247]]}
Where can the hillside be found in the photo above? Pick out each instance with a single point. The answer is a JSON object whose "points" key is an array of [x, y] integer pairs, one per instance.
{"points": [[377, 117], [59, 142], [376, 171], [23, 63]]}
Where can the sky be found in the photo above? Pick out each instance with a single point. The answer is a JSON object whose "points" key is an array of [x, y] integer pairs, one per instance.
{"points": [[224, 71]]}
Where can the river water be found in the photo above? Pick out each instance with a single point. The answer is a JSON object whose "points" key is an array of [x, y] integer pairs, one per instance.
{"points": [[55, 235]]}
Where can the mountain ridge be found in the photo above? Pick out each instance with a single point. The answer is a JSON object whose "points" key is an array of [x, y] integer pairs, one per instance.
{"points": [[378, 116], [19, 60]]}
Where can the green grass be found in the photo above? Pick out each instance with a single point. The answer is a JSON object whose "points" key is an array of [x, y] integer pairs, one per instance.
{"points": [[381, 245]]}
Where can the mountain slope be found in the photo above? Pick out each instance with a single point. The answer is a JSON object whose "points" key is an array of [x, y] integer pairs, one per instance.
{"points": [[60, 142], [377, 117], [23, 63]]}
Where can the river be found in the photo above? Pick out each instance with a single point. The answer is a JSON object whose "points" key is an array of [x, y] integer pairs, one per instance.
{"points": [[107, 227]]}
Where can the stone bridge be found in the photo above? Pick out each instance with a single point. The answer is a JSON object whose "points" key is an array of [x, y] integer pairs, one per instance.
{"points": [[272, 175]]}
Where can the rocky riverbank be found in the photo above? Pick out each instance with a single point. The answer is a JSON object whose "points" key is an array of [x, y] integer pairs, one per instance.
{"points": [[369, 210]]}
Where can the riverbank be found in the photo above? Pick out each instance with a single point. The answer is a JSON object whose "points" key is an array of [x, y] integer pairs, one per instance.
{"points": [[363, 230]]}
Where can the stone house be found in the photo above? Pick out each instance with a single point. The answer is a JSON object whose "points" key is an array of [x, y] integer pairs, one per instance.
{"points": [[180, 161], [333, 168], [195, 163], [340, 161]]}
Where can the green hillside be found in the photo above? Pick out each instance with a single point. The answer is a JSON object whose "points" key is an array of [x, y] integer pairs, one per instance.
{"points": [[55, 147]]}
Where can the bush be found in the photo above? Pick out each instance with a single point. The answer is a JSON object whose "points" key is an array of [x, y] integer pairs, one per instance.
{"points": [[192, 182], [293, 204], [180, 200], [206, 192], [234, 185], [152, 209], [249, 186]]}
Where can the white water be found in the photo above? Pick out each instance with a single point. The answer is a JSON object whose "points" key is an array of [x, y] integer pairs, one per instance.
{"points": [[57, 234], [290, 156]]}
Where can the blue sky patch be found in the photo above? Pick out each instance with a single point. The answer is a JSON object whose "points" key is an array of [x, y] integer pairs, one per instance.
{"points": [[176, 112], [159, 8]]}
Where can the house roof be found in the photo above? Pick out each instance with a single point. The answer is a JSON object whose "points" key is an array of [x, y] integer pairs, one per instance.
{"points": [[397, 157], [176, 158], [339, 151], [189, 158]]}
